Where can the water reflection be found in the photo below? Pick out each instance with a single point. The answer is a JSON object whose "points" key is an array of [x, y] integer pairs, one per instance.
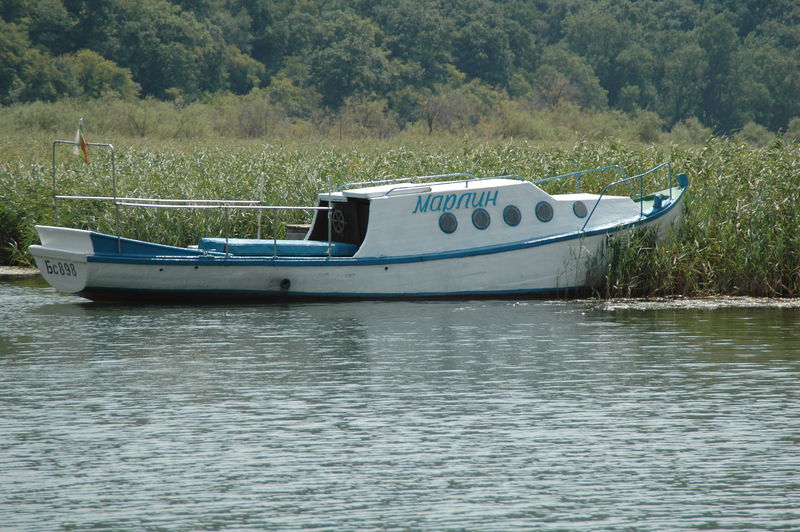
{"points": [[479, 415]]}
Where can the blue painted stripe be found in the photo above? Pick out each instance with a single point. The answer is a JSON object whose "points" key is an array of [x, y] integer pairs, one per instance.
{"points": [[107, 244], [198, 259]]}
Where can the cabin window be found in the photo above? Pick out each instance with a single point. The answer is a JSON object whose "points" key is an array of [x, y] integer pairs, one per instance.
{"points": [[544, 211], [481, 218], [579, 208], [512, 216], [448, 222]]}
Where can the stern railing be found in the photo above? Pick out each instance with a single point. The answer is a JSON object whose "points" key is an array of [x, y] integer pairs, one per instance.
{"points": [[168, 203]]}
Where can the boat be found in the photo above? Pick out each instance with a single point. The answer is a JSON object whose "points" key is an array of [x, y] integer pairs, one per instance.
{"points": [[433, 236]]}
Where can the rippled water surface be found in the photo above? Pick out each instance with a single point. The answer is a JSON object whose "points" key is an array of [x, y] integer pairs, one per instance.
{"points": [[473, 415]]}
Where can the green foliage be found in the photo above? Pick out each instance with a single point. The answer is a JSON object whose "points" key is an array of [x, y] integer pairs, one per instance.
{"points": [[755, 134], [346, 59], [647, 125], [417, 35], [724, 63], [482, 50], [690, 132], [96, 77], [252, 116], [793, 130], [567, 77], [739, 235]]}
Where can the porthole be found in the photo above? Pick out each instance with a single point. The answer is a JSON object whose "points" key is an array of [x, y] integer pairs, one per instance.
{"points": [[512, 216], [544, 211], [481, 218], [448, 222], [579, 208]]}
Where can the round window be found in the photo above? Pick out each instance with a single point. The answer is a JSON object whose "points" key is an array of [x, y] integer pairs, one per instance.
{"points": [[512, 216], [544, 211], [579, 208], [481, 218], [448, 222]]}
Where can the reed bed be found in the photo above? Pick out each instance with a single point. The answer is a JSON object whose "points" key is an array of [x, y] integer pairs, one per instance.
{"points": [[740, 233]]}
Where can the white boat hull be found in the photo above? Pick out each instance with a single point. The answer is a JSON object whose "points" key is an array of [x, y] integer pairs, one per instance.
{"points": [[557, 264]]}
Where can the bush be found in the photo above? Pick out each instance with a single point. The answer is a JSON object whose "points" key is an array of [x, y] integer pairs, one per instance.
{"points": [[690, 132], [793, 130], [755, 135]]}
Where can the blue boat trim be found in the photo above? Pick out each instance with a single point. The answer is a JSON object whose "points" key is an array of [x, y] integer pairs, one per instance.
{"points": [[113, 245], [256, 247], [160, 254]]}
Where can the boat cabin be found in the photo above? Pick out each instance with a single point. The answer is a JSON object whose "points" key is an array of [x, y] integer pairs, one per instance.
{"points": [[413, 218]]}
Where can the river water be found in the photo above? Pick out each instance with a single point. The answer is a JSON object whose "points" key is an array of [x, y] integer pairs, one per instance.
{"points": [[469, 415]]}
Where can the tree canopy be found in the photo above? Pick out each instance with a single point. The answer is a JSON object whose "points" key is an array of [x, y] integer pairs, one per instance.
{"points": [[725, 63]]}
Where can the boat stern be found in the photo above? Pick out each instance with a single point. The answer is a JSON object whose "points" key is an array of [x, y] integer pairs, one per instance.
{"points": [[61, 258]]}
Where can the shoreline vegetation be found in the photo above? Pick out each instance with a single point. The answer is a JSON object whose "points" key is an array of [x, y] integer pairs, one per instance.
{"points": [[739, 236]]}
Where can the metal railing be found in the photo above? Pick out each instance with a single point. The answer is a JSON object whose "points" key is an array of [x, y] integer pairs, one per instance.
{"points": [[629, 181], [169, 203], [577, 175], [467, 179], [227, 205], [624, 179], [56, 197], [414, 179]]}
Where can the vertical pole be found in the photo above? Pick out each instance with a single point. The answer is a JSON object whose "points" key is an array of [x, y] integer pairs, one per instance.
{"points": [[226, 216], [116, 204], [55, 201], [641, 195], [330, 210], [260, 202]]}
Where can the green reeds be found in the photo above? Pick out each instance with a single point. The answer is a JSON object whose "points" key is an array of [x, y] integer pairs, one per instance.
{"points": [[740, 233]]}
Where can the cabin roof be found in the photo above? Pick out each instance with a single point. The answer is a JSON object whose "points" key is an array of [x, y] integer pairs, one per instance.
{"points": [[408, 189]]}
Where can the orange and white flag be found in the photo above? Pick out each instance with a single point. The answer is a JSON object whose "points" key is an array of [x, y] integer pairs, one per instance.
{"points": [[80, 142]]}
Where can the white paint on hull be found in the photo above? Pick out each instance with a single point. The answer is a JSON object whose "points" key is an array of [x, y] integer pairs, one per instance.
{"points": [[563, 264]]}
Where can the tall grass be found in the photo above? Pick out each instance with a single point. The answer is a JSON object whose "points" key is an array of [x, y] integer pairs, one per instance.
{"points": [[740, 233]]}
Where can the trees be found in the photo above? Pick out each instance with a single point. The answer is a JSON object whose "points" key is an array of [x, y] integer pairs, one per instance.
{"points": [[13, 45], [768, 83], [96, 77], [726, 62], [346, 58], [567, 77], [594, 34], [417, 35], [717, 37], [682, 83], [482, 50], [29, 74]]}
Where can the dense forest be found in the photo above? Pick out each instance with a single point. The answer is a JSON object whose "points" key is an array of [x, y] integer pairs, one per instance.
{"points": [[723, 65]]}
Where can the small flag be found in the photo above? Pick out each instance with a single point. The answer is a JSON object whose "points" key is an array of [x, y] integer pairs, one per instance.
{"points": [[80, 141]]}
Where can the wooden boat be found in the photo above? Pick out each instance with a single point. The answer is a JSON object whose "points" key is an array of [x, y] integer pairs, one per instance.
{"points": [[444, 236]]}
